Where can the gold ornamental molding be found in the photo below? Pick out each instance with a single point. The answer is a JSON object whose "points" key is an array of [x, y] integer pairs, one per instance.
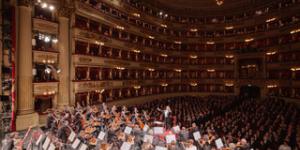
{"points": [[147, 65], [117, 63], [99, 61], [259, 82], [92, 86], [84, 60], [130, 83], [90, 35], [127, 44], [109, 62], [87, 10], [86, 34], [45, 57], [66, 8], [286, 83], [45, 26], [41, 88], [87, 86], [26, 3]]}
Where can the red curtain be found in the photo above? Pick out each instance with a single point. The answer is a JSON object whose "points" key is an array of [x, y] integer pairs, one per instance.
{"points": [[13, 74]]}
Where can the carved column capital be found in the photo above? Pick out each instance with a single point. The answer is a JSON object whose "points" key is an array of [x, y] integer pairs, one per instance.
{"points": [[65, 12], [25, 2], [66, 8]]}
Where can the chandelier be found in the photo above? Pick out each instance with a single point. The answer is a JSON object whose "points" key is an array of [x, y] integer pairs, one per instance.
{"points": [[220, 2]]}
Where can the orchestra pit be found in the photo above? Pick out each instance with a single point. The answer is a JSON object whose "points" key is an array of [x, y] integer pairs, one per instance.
{"points": [[150, 75]]}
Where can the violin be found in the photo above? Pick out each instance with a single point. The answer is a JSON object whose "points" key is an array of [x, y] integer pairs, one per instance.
{"points": [[127, 120], [140, 122]]}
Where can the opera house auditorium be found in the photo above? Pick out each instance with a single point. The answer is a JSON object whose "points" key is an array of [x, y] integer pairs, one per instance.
{"points": [[150, 75]]}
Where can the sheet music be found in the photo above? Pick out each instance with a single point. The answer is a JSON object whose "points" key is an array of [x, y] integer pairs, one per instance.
{"points": [[101, 135], [127, 130], [46, 143], [193, 147], [176, 129], [72, 136], [125, 146], [197, 135], [51, 147], [75, 143], [160, 148], [148, 138], [83, 147], [170, 138], [158, 130], [219, 143]]}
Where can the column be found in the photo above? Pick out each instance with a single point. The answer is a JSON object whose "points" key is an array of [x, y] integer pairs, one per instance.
{"points": [[110, 53], [100, 74], [120, 93], [88, 74], [120, 74], [128, 74], [136, 92], [120, 35], [144, 74], [128, 93], [87, 48], [100, 51], [136, 57], [120, 54], [88, 99], [136, 74], [64, 61], [25, 102], [128, 56], [110, 74]]}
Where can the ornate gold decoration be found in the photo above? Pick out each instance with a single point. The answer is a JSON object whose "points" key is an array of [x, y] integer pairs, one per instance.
{"points": [[84, 60], [117, 63], [45, 26], [66, 8], [25, 2]]}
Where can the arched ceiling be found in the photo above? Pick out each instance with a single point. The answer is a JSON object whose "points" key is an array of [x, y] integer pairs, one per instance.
{"points": [[206, 7]]}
